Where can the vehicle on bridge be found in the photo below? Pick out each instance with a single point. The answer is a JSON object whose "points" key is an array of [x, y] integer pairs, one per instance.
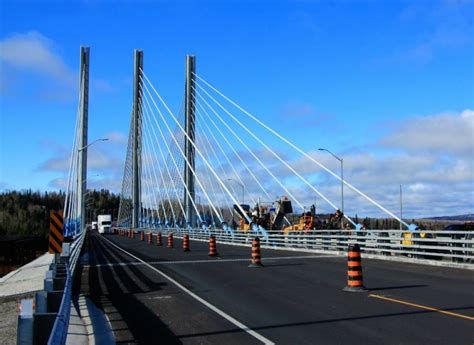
{"points": [[276, 217], [104, 223], [94, 226], [270, 217]]}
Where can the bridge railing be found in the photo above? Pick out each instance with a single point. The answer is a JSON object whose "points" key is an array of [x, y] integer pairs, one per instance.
{"points": [[437, 247], [60, 328]]}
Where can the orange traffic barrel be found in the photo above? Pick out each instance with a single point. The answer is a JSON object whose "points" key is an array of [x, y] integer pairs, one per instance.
{"points": [[170, 240], [158, 239], [355, 281], [142, 236], [150, 238], [256, 257], [186, 243], [212, 246]]}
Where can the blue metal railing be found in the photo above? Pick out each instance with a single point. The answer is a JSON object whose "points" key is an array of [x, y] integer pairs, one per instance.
{"points": [[61, 324]]}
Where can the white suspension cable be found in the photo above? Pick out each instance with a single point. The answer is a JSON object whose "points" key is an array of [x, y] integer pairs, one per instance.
{"points": [[175, 219], [252, 153], [209, 181], [149, 110], [149, 169], [305, 181], [236, 174], [198, 152], [303, 152], [169, 151]]}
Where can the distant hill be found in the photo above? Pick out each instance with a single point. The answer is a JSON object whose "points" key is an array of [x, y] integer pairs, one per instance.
{"points": [[462, 217]]}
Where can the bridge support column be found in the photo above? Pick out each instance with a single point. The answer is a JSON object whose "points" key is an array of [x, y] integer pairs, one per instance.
{"points": [[189, 124], [137, 148], [83, 128]]}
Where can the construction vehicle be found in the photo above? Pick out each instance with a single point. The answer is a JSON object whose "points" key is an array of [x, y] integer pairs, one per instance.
{"points": [[309, 221], [270, 217]]}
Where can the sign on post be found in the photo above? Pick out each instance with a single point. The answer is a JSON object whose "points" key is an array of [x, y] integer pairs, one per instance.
{"points": [[56, 232]]}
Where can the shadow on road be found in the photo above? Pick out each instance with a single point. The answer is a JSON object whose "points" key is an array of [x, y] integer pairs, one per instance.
{"points": [[115, 290], [316, 322], [397, 287]]}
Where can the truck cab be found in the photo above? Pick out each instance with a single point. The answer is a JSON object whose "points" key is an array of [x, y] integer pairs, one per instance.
{"points": [[104, 223]]}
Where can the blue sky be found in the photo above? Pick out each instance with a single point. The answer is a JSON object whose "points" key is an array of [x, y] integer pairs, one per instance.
{"points": [[389, 85]]}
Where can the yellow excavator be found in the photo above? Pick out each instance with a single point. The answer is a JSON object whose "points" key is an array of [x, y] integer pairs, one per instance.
{"points": [[270, 217]]}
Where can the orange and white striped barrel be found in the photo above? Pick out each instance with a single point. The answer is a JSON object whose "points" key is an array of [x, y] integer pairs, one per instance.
{"points": [[170, 240], [150, 238], [256, 257], [212, 246], [186, 243], [158, 239], [355, 282]]}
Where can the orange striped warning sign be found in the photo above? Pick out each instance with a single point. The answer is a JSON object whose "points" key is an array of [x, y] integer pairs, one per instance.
{"points": [[56, 232]]}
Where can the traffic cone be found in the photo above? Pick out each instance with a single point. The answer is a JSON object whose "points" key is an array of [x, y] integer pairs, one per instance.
{"points": [[158, 239], [186, 243], [142, 236], [256, 258], [355, 281], [212, 246], [170, 240]]}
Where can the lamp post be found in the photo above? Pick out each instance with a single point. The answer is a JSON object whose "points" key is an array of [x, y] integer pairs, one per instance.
{"points": [[342, 182], [401, 207], [91, 143], [241, 185], [82, 177]]}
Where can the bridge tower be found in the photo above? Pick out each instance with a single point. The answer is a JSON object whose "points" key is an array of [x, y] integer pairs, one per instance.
{"points": [[136, 146], [83, 128], [189, 125]]}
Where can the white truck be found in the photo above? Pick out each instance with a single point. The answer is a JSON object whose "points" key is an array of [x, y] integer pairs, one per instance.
{"points": [[94, 226], [104, 223]]}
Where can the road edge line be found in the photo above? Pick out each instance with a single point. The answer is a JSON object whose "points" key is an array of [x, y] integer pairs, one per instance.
{"points": [[196, 297]]}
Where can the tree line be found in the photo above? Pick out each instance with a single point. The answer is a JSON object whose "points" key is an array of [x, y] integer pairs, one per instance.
{"points": [[26, 213]]}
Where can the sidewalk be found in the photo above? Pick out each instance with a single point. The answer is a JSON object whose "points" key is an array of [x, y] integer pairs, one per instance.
{"points": [[26, 279], [21, 283]]}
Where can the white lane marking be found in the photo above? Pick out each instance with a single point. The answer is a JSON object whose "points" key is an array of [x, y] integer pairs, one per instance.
{"points": [[160, 297], [196, 297], [217, 260]]}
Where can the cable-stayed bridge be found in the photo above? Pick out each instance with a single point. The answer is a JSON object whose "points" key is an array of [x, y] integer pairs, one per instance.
{"points": [[178, 165], [203, 184]]}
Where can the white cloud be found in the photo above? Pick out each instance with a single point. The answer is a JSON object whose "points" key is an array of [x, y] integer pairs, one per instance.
{"points": [[431, 157], [35, 52], [105, 163], [450, 133]]}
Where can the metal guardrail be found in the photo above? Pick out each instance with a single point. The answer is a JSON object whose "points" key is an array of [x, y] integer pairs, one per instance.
{"points": [[440, 245], [59, 332]]}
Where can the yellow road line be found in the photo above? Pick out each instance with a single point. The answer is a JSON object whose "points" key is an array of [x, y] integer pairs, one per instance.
{"points": [[471, 318]]}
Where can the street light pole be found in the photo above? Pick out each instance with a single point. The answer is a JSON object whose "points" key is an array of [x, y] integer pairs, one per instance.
{"points": [[241, 185], [342, 182], [401, 207], [91, 143]]}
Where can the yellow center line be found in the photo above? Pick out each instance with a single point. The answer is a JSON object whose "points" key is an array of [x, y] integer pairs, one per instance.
{"points": [[471, 318]]}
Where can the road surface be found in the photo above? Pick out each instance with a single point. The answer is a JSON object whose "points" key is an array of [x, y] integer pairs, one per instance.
{"points": [[154, 294]]}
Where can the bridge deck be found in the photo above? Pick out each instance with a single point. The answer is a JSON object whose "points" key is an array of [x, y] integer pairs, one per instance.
{"points": [[295, 298]]}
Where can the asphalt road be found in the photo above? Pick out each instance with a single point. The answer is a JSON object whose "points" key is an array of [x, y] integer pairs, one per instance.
{"points": [[296, 298]]}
